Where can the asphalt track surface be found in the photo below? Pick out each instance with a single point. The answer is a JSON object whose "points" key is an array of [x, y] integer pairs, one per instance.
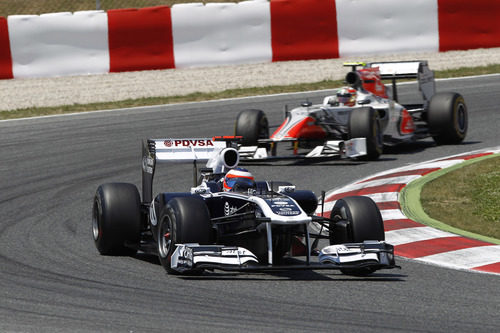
{"points": [[53, 279]]}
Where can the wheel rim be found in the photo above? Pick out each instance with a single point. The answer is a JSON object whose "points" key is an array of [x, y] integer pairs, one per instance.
{"points": [[164, 238], [461, 120], [95, 223]]}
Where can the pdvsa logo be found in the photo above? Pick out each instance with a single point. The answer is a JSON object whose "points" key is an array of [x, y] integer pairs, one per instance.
{"points": [[188, 143]]}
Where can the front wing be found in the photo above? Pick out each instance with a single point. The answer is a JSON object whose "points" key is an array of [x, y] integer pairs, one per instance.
{"points": [[352, 148], [191, 257]]}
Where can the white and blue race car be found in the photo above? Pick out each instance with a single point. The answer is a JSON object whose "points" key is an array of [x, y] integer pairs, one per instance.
{"points": [[248, 226]]}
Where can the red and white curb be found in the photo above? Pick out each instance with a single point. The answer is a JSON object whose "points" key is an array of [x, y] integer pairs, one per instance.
{"points": [[412, 239]]}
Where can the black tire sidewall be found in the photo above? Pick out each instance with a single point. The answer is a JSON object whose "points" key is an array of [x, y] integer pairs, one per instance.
{"points": [[363, 216], [365, 223], [189, 222], [117, 208], [443, 118], [364, 123], [167, 222], [249, 124]]}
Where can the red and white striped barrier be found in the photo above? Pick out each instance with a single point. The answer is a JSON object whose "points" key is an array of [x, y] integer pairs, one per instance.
{"points": [[187, 35], [412, 239]]}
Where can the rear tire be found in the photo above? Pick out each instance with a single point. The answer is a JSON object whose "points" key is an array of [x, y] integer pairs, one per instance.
{"points": [[182, 220], [363, 221], [364, 123], [252, 125], [116, 218], [447, 118]]}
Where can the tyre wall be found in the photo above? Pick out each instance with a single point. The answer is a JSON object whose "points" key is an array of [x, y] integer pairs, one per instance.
{"points": [[194, 35]]}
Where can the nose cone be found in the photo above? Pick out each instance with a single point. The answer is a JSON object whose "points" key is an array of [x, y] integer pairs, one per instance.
{"points": [[299, 128]]}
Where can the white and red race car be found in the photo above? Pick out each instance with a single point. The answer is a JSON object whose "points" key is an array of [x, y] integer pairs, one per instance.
{"points": [[359, 119]]}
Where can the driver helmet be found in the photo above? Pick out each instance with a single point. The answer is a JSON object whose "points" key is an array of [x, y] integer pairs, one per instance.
{"points": [[346, 96], [238, 179]]}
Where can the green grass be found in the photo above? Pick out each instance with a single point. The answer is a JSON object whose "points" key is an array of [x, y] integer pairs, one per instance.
{"points": [[467, 198], [468, 71], [194, 97]]}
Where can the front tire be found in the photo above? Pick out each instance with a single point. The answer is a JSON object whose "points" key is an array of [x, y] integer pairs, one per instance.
{"points": [[182, 220], [116, 218], [447, 118], [364, 123], [252, 125], [360, 220]]}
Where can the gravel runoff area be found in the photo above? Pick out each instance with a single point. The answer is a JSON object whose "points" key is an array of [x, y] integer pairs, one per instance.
{"points": [[40, 92]]}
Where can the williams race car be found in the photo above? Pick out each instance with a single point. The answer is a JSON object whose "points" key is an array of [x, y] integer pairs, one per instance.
{"points": [[359, 119], [228, 221]]}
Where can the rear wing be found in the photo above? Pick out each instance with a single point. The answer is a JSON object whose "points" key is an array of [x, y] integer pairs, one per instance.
{"points": [[399, 70], [186, 150], [416, 69]]}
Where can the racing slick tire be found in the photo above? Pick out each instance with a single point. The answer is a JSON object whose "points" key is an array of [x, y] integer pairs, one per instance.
{"points": [[364, 123], [447, 118], [356, 219], [182, 220], [252, 125], [116, 218]]}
